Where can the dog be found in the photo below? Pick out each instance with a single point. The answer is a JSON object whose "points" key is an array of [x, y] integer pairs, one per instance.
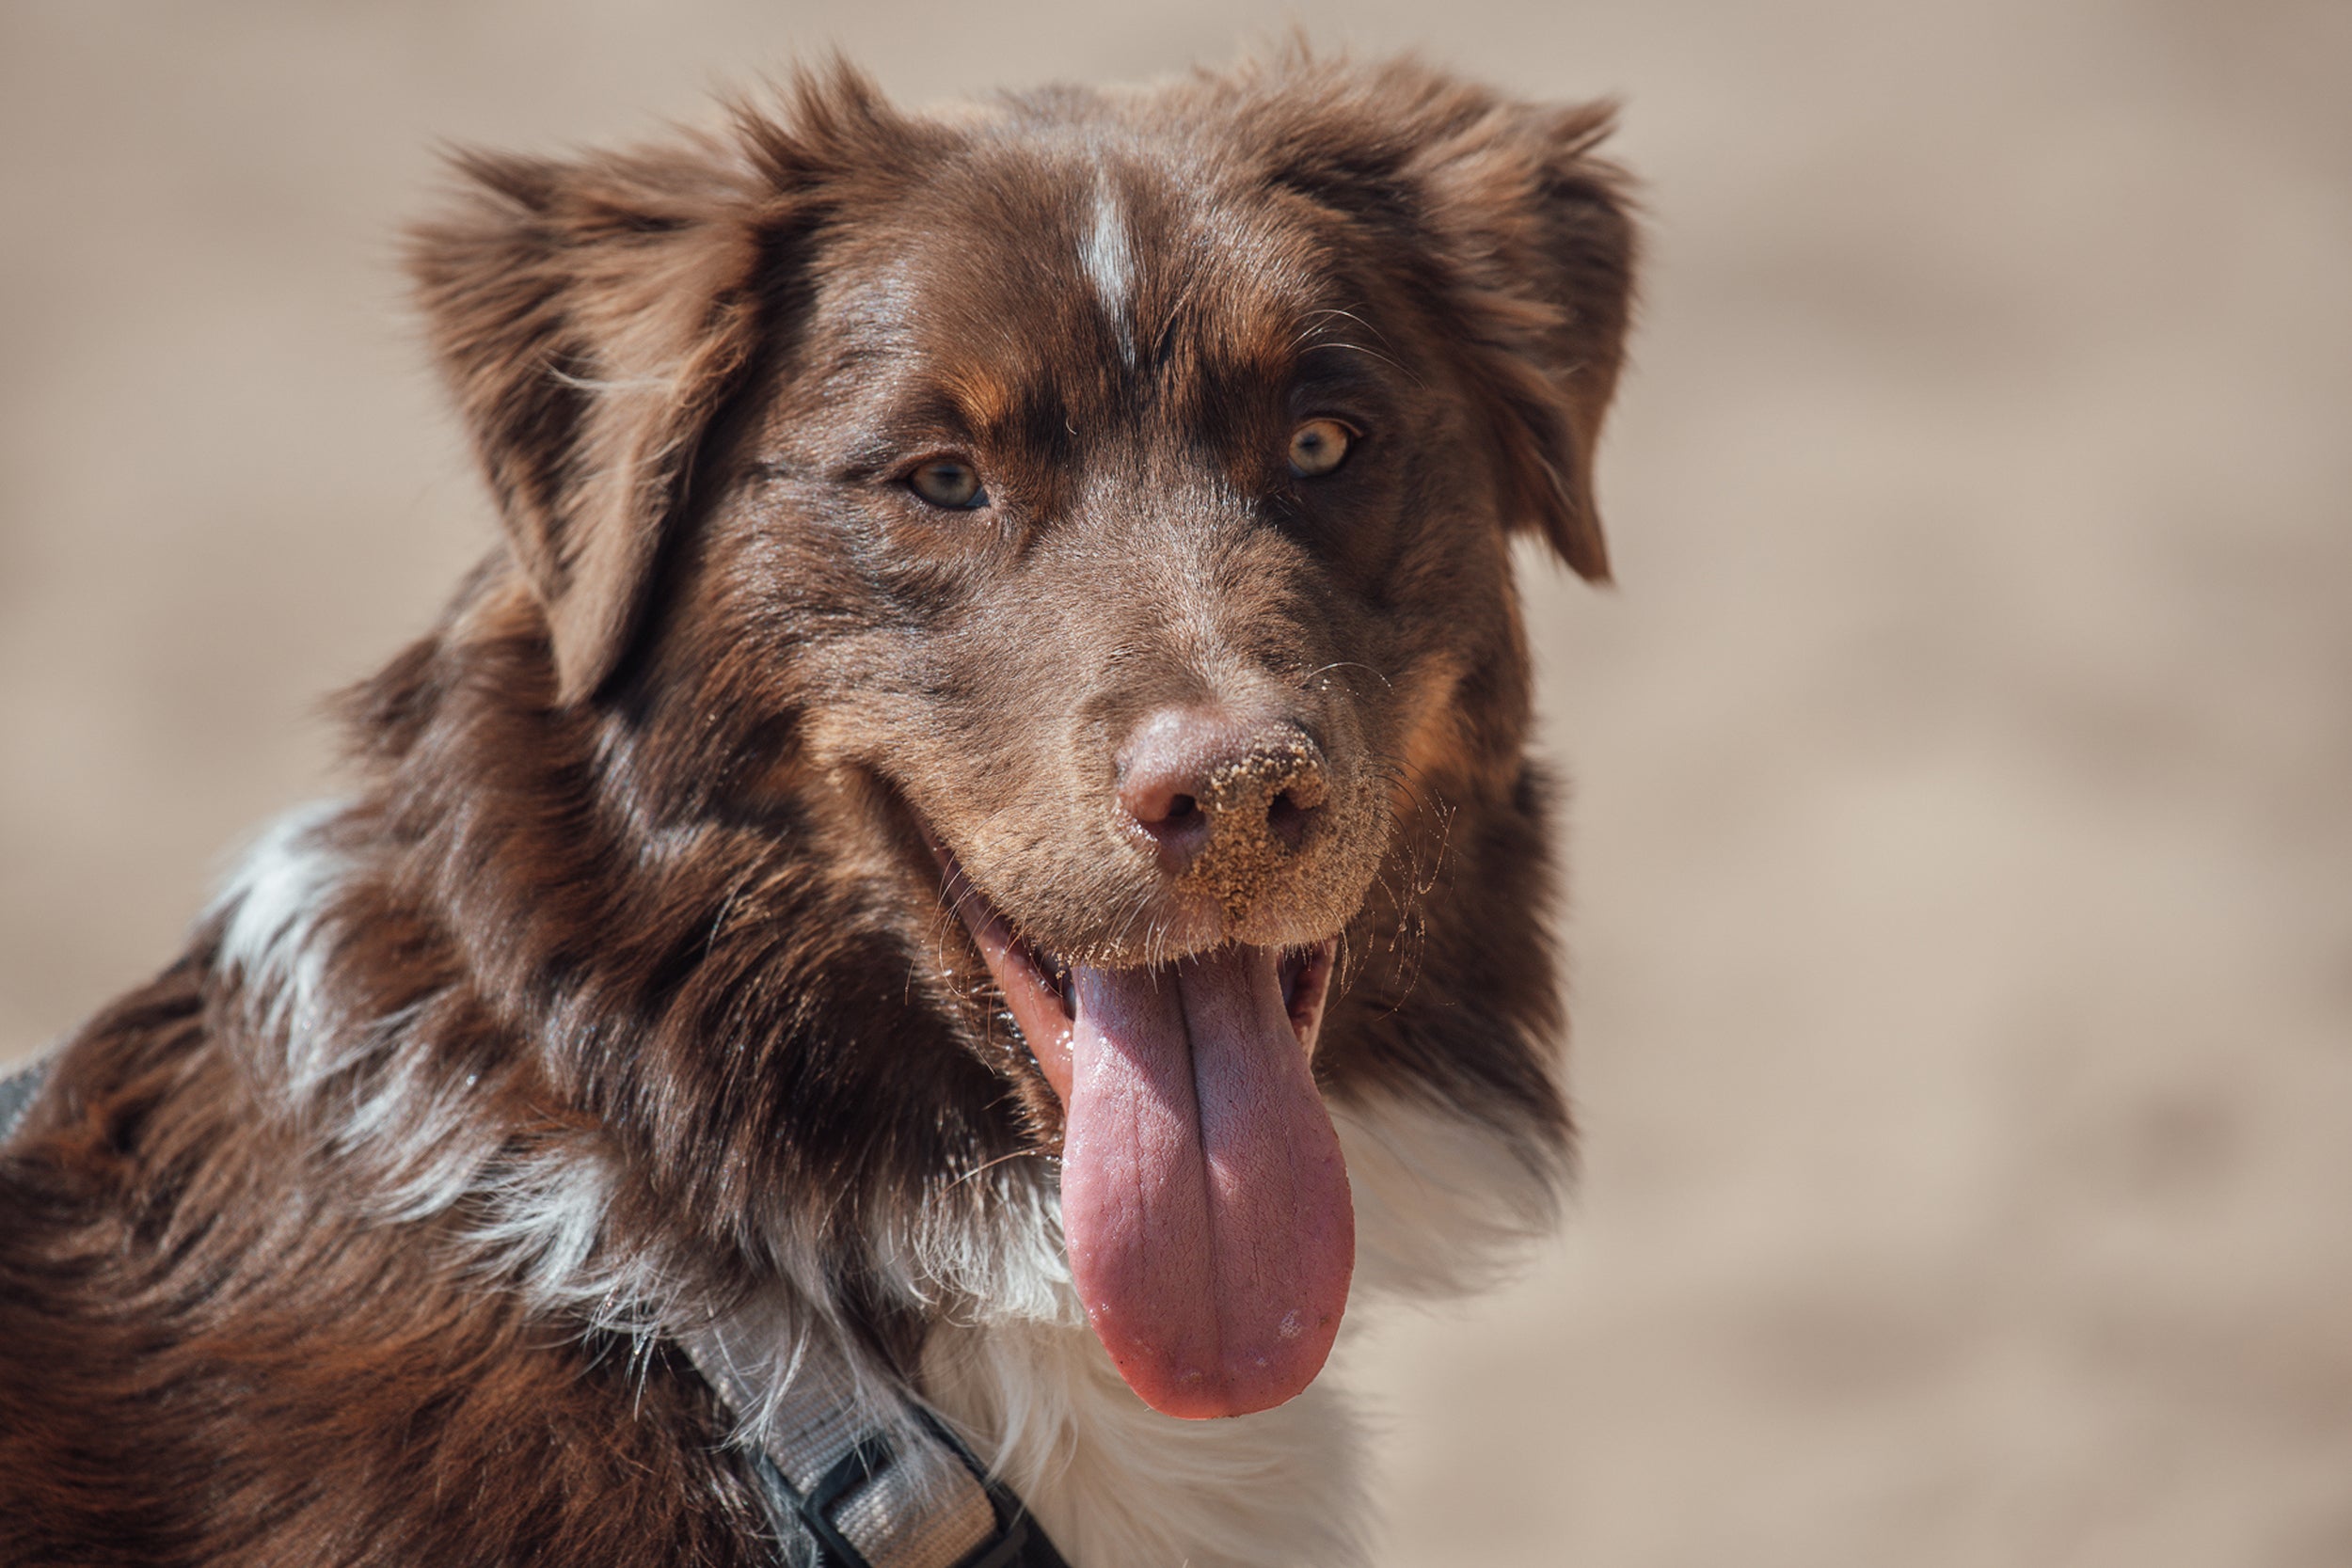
{"points": [[965, 872]]}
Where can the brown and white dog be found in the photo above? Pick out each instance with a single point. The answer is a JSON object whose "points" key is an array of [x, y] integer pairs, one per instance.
{"points": [[978, 818]]}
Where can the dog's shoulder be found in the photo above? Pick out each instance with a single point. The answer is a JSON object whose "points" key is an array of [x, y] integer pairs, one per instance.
{"points": [[207, 1360]]}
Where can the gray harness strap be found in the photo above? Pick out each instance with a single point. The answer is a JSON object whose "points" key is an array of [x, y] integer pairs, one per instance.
{"points": [[843, 1493], [17, 1093]]}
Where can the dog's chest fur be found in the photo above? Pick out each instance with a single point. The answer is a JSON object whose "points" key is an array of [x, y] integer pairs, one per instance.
{"points": [[1443, 1203]]}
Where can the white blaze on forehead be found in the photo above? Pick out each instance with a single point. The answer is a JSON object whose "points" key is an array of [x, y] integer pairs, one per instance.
{"points": [[1108, 260]]}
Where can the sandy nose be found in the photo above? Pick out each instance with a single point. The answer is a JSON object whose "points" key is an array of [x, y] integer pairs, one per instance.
{"points": [[1225, 800]]}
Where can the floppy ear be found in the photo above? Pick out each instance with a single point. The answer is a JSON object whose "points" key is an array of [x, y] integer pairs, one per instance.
{"points": [[1513, 232], [1542, 249], [591, 317]]}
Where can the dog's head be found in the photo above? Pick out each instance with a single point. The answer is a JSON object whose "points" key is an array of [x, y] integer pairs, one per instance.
{"points": [[1088, 515]]}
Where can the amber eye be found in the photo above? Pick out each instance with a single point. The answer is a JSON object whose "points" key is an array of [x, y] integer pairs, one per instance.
{"points": [[951, 482], [1318, 446]]}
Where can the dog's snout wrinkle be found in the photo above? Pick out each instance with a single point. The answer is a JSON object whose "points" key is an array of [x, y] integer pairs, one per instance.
{"points": [[1227, 803]]}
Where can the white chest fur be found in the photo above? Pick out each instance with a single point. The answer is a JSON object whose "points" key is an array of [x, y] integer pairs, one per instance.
{"points": [[1438, 1201]]}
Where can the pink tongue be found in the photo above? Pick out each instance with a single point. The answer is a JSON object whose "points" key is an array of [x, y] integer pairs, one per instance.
{"points": [[1204, 1201]]}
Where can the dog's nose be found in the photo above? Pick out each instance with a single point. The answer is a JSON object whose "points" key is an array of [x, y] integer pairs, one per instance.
{"points": [[1225, 799]]}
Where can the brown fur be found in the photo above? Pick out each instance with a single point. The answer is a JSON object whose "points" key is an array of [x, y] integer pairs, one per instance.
{"points": [[635, 892]]}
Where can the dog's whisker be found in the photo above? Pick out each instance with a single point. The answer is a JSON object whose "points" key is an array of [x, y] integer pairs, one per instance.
{"points": [[988, 1166]]}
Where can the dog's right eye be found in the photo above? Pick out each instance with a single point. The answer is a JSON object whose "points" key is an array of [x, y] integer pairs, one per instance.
{"points": [[949, 482], [1318, 446]]}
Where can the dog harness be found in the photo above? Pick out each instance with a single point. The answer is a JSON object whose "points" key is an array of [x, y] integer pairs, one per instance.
{"points": [[839, 1491], [16, 1094], [843, 1493]]}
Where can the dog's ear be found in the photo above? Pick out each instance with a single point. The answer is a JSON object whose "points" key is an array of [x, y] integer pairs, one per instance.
{"points": [[1511, 229], [593, 317]]}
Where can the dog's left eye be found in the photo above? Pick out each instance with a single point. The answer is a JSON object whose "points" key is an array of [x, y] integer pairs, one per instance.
{"points": [[1318, 446], [951, 482]]}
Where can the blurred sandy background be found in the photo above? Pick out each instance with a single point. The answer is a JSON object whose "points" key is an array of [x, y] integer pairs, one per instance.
{"points": [[1962, 835]]}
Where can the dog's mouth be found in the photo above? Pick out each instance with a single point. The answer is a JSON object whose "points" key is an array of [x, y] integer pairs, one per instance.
{"points": [[1205, 1203]]}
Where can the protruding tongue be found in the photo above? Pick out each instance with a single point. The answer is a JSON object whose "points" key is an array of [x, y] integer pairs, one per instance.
{"points": [[1204, 1200]]}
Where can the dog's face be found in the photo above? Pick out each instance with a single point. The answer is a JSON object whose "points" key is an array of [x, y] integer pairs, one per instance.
{"points": [[1093, 437], [1090, 518]]}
